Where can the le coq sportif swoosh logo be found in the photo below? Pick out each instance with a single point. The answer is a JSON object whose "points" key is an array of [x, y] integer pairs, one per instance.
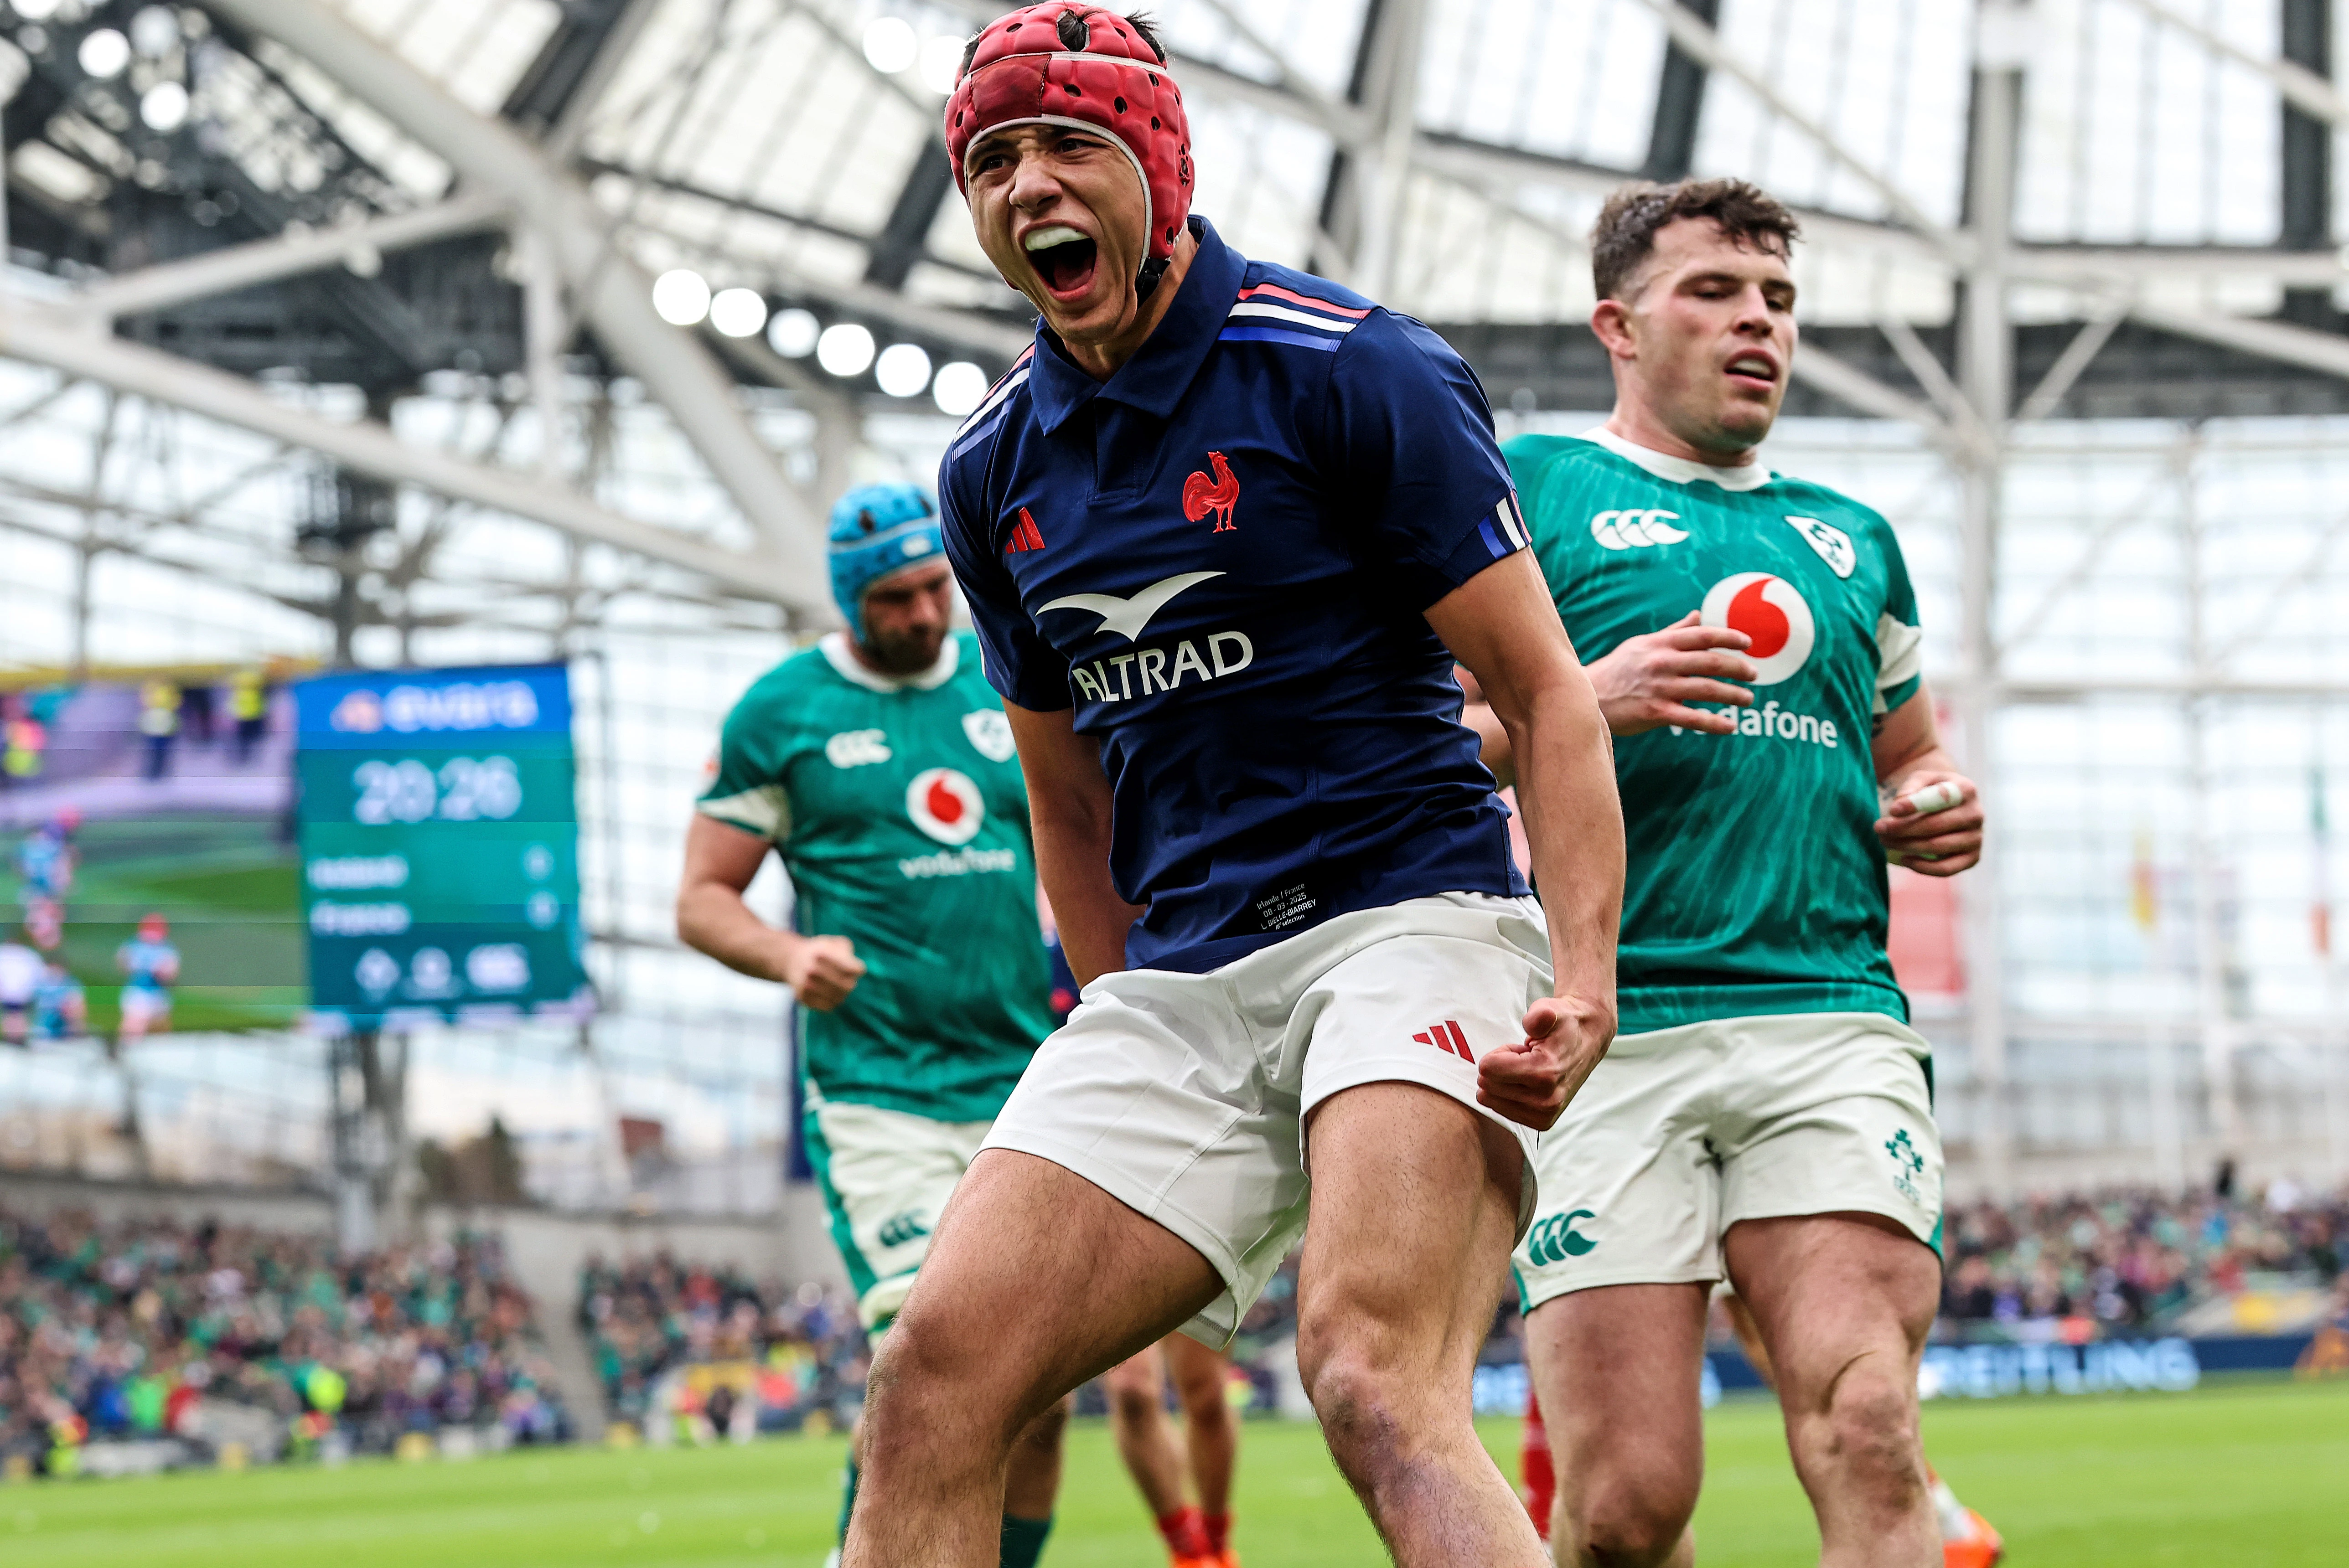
{"points": [[1126, 617]]}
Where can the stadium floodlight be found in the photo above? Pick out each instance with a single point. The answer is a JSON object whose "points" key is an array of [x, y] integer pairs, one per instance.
{"points": [[35, 10], [901, 370], [890, 44], [941, 62], [958, 389], [164, 107], [794, 332], [680, 296], [738, 312], [844, 349], [155, 32], [104, 52]]}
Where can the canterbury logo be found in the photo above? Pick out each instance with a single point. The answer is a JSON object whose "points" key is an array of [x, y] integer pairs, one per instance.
{"points": [[1127, 618], [857, 748], [899, 1228], [1024, 535], [1634, 528], [1555, 1239], [1446, 1036]]}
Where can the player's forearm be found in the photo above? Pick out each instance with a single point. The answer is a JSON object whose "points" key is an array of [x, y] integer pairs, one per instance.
{"points": [[712, 918], [1573, 824], [1072, 861], [1892, 773], [1491, 742]]}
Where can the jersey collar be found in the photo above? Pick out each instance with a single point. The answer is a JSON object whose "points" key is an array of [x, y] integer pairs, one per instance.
{"points": [[1680, 470], [1163, 369], [845, 661]]}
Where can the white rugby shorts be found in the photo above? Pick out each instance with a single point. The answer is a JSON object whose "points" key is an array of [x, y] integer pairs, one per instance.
{"points": [[1184, 1096], [886, 1176], [1682, 1132]]}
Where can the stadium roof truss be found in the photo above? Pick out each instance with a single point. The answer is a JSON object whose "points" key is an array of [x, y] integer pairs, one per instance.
{"points": [[2017, 211]]}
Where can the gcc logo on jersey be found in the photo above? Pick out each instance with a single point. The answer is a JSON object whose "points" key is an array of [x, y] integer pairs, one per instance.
{"points": [[945, 805], [1634, 527], [1769, 611]]}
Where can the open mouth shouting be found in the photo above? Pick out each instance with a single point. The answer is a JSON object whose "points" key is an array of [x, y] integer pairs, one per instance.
{"points": [[1064, 260], [1753, 370]]}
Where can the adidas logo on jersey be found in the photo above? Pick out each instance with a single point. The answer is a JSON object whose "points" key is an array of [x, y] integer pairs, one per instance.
{"points": [[1635, 528], [1024, 534]]}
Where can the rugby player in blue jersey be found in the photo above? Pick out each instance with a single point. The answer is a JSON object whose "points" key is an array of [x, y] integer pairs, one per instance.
{"points": [[1223, 529]]}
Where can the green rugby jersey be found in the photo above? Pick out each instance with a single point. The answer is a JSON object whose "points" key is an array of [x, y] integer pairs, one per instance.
{"points": [[898, 808], [1755, 882]]}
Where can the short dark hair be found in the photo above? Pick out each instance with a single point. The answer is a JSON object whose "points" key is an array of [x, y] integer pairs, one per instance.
{"points": [[1625, 235], [1072, 29]]}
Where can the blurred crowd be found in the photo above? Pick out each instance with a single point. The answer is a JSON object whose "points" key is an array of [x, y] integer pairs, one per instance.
{"points": [[695, 1353], [213, 1335], [2130, 1261]]}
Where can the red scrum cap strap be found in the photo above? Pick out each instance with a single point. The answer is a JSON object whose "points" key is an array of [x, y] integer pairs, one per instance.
{"points": [[1072, 64]]}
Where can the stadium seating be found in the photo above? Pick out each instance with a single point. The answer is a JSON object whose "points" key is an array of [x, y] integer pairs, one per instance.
{"points": [[2132, 1262], [697, 1352], [177, 1344]]}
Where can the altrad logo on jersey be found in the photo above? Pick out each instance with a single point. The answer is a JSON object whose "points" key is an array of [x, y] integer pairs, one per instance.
{"points": [[1117, 677]]}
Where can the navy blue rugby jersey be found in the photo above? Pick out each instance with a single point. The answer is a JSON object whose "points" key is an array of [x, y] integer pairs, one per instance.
{"points": [[1220, 558]]}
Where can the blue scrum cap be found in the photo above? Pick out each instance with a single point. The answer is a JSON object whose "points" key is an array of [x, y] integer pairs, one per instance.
{"points": [[878, 530]]}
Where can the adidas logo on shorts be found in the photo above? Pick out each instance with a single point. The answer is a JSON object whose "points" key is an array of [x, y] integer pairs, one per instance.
{"points": [[1446, 1036]]}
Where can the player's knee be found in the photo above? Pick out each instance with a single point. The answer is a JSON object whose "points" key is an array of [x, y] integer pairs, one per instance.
{"points": [[1369, 1413], [1624, 1522], [1203, 1396], [914, 1403], [1871, 1428], [1132, 1398]]}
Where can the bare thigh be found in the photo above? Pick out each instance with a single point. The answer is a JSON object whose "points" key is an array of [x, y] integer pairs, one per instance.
{"points": [[1620, 1373], [1406, 1251], [1834, 1294], [1844, 1302], [1037, 1281]]}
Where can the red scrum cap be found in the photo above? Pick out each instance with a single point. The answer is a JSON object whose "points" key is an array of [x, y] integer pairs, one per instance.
{"points": [[1077, 65]]}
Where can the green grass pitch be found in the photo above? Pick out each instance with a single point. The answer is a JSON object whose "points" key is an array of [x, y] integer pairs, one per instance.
{"points": [[2241, 1475], [232, 891]]}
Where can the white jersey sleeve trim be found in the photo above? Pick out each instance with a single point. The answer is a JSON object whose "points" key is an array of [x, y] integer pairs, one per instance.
{"points": [[766, 811], [1899, 655]]}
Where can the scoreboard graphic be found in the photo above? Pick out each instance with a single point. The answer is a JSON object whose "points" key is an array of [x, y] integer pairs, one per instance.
{"points": [[440, 839]]}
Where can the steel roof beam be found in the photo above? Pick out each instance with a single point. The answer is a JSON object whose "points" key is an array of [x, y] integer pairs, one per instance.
{"points": [[1680, 104], [286, 256], [32, 332], [675, 368]]}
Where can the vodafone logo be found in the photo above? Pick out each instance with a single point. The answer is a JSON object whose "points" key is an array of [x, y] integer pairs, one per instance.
{"points": [[945, 805], [1769, 611]]}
